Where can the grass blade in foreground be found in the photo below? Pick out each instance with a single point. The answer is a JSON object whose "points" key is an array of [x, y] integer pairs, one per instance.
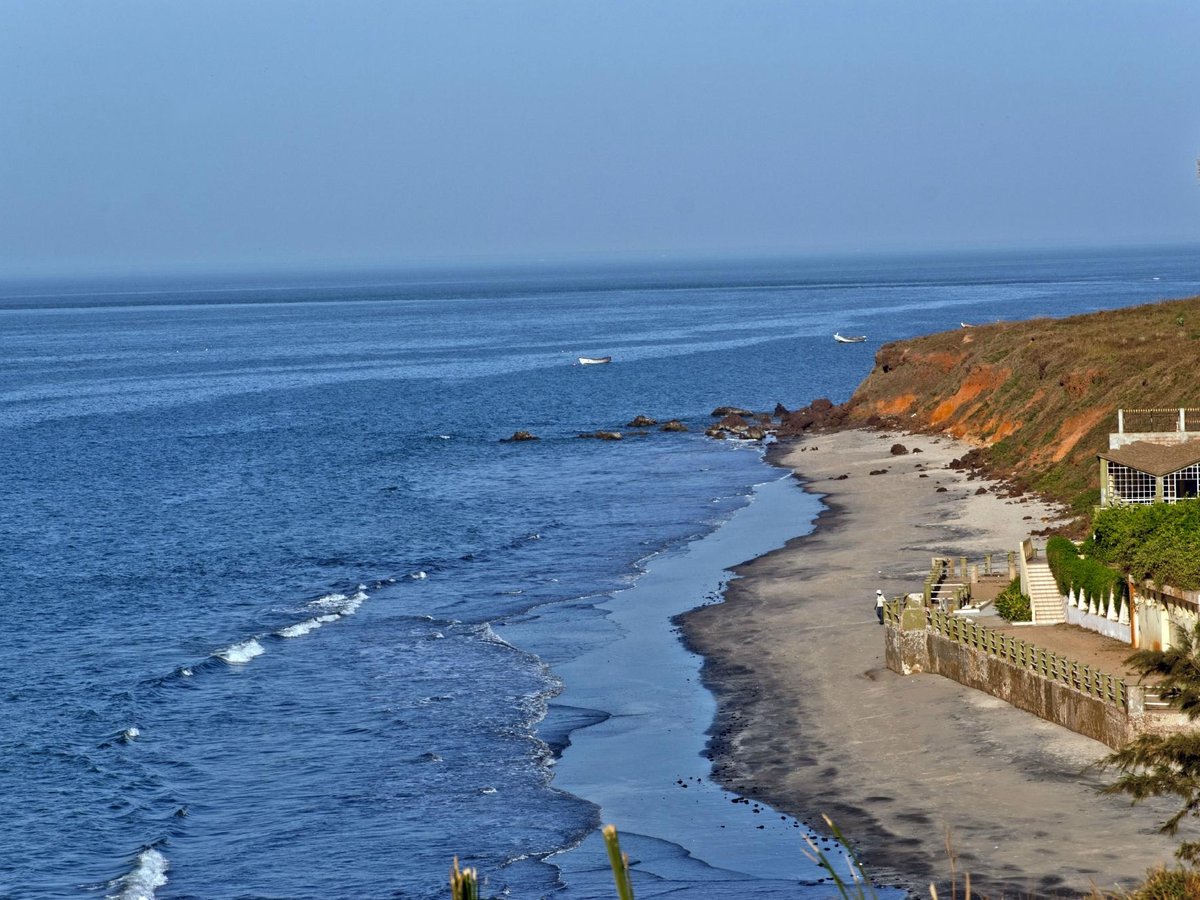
{"points": [[619, 862], [464, 883], [862, 885]]}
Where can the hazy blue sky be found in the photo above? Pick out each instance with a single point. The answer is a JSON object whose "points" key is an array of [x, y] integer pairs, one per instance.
{"points": [[213, 134]]}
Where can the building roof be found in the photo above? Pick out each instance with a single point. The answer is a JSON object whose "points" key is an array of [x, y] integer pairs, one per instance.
{"points": [[1155, 459]]}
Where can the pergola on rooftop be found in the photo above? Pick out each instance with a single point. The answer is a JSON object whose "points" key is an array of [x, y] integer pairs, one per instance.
{"points": [[1160, 464]]}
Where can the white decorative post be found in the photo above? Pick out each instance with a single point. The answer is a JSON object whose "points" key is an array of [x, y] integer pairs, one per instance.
{"points": [[1092, 605], [1123, 618], [1112, 611], [1073, 597]]}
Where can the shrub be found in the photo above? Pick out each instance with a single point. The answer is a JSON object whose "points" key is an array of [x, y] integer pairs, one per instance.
{"points": [[1168, 884], [1083, 574], [1012, 605], [1159, 541]]}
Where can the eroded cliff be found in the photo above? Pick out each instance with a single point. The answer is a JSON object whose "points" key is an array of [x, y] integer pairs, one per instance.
{"points": [[1038, 398]]}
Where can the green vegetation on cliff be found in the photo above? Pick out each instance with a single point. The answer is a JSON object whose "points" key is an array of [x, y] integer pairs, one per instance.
{"points": [[1038, 398]]}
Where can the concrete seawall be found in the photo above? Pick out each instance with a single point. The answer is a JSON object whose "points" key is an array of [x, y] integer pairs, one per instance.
{"points": [[925, 651], [1113, 717]]}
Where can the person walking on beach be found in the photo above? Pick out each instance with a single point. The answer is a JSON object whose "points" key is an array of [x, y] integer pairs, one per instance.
{"points": [[879, 598]]}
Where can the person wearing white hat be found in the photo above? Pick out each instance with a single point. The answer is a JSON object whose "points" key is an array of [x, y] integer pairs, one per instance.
{"points": [[879, 598]]}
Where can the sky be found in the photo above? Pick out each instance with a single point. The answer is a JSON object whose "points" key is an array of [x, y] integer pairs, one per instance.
{"points": [[232, 135]]}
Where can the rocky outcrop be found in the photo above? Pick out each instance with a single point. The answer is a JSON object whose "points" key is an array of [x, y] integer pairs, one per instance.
{"points": [[520, 436], [673, 425], [603, 435], [641, 422], [820, 415], [734, 426], [723, 411]]}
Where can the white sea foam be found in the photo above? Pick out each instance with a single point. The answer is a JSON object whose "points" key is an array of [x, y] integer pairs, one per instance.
{"points": [[186, 672], [487, 635], [139, 884], [419, 575], [353, 602], [241, 653], [329, 601], [336, 605], [132, 733], [302, 628]]}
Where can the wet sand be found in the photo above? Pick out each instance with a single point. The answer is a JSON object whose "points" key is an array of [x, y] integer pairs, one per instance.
{"points": [[810, 720]]}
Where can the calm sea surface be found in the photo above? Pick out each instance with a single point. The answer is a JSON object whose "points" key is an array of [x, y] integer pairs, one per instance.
{"points": [[261, 546]]}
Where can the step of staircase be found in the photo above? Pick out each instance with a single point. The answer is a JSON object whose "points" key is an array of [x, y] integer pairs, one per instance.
{"points": [[1044, 595]]}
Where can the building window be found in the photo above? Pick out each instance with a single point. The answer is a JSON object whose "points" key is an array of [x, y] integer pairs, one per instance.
{"points": [[1129, 485], [1182, 485]]}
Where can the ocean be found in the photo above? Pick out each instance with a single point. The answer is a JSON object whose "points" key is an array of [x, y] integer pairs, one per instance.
{"points": [[285, 617]]}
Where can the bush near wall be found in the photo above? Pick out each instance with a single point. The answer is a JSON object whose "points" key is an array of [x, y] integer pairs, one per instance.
{"points": [[1012, 605], [1085, 575], [1157, 541]]}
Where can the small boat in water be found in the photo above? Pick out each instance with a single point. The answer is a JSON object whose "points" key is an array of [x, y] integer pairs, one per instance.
{"points": [[594, 360], [849, 338]]}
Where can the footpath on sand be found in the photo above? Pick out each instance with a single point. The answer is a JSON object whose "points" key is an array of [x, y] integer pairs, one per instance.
{"points": [[811, 721]]}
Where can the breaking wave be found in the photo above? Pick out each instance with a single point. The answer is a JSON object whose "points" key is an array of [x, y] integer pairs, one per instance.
{"points": [[149, 874], [303, 628], [237, 654]]}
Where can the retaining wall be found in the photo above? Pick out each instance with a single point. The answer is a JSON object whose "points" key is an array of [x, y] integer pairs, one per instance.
{"points": [[1112, 717]]}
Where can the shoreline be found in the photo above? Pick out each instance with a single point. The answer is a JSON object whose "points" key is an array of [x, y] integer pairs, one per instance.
{"points": [[644, 762], [810, 720]]}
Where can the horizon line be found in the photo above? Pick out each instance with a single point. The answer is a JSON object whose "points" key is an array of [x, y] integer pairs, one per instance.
{"points": [[383, 274]]}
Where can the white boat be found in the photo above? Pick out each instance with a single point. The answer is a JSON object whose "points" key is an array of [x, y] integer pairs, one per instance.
{"points": [[849, 338], [594, 360]]}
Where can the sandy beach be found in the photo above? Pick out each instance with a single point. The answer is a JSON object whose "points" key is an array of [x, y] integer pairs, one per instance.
{"points": [[810, 720]]}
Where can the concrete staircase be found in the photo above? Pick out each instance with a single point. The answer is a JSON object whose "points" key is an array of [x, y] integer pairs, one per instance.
{"points": [[1043, 595]]}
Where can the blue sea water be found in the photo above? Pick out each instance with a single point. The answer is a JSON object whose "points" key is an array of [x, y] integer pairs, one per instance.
{"points": [[261, 546]]}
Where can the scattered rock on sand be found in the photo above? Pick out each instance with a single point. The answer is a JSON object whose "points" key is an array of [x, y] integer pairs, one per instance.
{"points": [[878, 472], [981, 490], [899, 449]]}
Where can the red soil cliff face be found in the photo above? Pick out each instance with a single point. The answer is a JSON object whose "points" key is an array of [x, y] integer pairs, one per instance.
{"points": [[1037, 398]]}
